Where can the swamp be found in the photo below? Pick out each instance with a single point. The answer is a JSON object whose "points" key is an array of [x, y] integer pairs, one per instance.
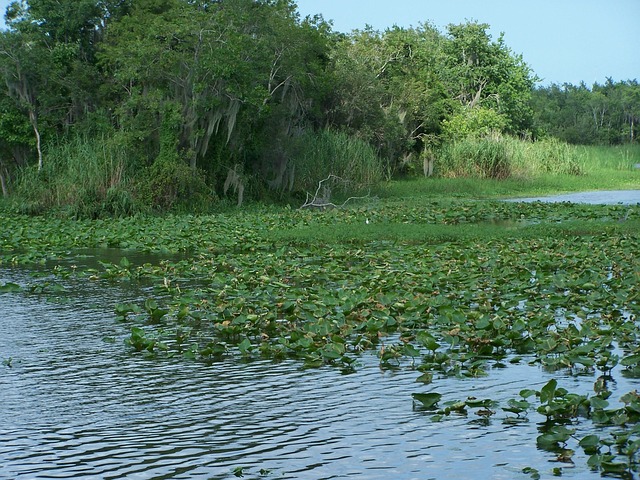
{"points": [[404, 337], [237, 243]]}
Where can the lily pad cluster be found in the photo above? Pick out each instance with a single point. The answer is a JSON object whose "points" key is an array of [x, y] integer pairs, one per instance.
{"points": [[448, 288]]}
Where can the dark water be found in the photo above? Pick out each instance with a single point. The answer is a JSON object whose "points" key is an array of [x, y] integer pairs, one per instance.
{"points": [[75, 404]]}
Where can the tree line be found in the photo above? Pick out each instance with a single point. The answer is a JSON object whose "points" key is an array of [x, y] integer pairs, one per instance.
{"points": [[606, 114], [110, 105]]}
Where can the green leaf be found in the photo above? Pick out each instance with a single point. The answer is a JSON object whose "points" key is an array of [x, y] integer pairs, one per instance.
{"points": [[532, 472], [10, 287], [245, 346], [630, 360], [527, 392], [410, 351], [475, 402], [428, 400], [598, 403], [425, 378], [547, 393], [589, 443], [555, 435]]}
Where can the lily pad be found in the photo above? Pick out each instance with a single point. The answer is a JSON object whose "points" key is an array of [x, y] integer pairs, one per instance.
{"points": [[427, 400]]}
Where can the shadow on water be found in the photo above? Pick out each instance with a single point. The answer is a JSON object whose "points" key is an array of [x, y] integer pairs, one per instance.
{"points": [[76, 404]]}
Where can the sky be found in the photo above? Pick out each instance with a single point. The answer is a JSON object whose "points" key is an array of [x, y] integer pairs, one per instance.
{"points": [[561, 40]]}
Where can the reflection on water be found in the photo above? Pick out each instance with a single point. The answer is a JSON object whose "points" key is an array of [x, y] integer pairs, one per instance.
{"points": [[75, 404]]}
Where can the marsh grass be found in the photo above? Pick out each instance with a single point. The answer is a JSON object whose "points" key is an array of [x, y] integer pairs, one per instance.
{"points": [[602, 168], [474, 157], [316, 155], [622, 158], [501, 157], [547, 156], [80, 176]]}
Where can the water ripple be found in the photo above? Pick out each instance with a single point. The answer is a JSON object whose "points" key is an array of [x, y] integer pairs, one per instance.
{"points": [[74, 406]]}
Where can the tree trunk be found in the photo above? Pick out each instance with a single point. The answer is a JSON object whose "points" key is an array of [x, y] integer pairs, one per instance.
{"points": [[34, 124], [3, 182]]}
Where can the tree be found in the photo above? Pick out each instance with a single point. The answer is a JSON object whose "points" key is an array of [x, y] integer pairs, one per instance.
{"points": [[487, 73], [603, 114], [21, 67]]}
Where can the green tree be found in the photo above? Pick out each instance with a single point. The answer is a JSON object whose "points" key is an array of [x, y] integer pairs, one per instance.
{"points": [[603, 114], [485, 73], [25, 76]]}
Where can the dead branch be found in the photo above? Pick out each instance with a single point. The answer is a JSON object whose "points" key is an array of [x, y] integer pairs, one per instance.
{"points": [[321, 201]]}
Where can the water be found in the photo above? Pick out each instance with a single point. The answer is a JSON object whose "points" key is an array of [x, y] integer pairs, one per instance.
{"points": [[604, 197], [76, 404]]}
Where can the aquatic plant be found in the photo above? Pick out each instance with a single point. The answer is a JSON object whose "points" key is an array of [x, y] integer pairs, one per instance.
{"points": [[449, 288]]}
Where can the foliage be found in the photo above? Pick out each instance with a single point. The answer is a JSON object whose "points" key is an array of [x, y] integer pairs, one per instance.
{"points": [[606, 114], [473, 122], [486, 73], [241, 87]]}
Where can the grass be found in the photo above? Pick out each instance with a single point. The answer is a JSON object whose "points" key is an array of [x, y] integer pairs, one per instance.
{"points": [[316, 155], [79, 177], [623, 158], [604, 168]]}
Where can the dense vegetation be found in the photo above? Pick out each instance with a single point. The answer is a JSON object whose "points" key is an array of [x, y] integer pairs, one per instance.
{"points": [[115, 107], [604, 114]]}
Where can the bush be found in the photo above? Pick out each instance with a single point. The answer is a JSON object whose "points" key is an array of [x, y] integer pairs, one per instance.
{"points": [[473, 122], [172, 184]]}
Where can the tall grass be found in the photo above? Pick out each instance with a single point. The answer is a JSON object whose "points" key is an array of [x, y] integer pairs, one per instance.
{"points": [[84, 177], [534, 171], [474, 157], [501, 157], [316, 155], [547, 156], [617, 158]]}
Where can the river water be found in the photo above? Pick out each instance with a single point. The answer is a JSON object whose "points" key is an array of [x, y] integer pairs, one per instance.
{"points": [[74, 403], [602, 197]]}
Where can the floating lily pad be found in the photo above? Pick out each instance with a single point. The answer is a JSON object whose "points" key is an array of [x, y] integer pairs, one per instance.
{"points": [[427, 400]]}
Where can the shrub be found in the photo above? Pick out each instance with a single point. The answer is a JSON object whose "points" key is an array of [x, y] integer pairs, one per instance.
{"points": [[473, 122]]}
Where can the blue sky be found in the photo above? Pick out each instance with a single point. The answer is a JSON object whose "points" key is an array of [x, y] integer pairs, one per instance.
{"points": [[561, 40]]}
